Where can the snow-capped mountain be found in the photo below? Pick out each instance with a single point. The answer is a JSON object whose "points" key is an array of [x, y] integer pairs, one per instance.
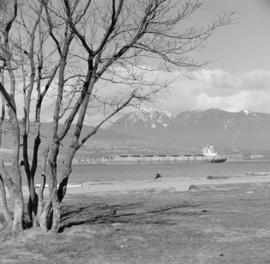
{"points": [[189, 129], [145, 117]]}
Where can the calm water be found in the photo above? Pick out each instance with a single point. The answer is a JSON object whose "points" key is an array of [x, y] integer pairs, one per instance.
{"points": [[99, 173]]}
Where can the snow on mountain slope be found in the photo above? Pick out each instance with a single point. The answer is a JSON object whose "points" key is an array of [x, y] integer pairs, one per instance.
{"points": [[242, 129], [147, 117]]}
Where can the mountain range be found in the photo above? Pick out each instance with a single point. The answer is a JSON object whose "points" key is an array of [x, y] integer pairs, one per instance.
{"points": [[195, 129], [148, 128]]}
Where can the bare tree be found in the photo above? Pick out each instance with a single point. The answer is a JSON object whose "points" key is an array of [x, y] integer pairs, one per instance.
{"points": [[110, 36], [27, 64], [99, 49], [3, 198], [13, 181], [35, 75]]}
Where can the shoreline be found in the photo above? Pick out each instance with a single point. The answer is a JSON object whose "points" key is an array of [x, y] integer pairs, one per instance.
{"points": [[163, 184]]}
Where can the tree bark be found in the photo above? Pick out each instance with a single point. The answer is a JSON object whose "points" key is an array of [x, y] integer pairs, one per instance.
{"points": [[18, 210], [44, 217], [16, 197], [66, 173], [56, 211], [16, 172], [3, 196], [42, 185], [3, 201], [32, 205], [52, 207], [50, 216], [52, 181]]}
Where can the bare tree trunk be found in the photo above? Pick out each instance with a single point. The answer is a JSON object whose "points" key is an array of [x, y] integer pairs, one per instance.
{"points": [[3, 201], [42, 185], [3, 197], [52, 181], [32, 205], [56, 211], [30, 172], [52, 207], [50, 216], [16, 196], [18, 210], [58, 195], [66, 173], [16, 172], [44, 217]]}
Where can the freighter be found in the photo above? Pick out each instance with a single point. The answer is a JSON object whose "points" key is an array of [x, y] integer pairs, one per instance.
{"points": [[208, 156]]}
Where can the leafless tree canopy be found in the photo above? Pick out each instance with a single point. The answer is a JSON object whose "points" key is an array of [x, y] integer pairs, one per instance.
{"points": [[82, 57]]}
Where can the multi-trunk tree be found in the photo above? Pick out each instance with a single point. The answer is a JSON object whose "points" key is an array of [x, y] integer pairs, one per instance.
{"points": [[86, 56]]}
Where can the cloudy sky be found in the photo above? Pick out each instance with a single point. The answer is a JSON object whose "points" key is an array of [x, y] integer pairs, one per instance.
{"points": [[238, 75]]}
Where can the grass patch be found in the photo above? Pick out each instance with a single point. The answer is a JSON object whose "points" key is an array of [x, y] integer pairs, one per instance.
{"points": [[226, 226]]}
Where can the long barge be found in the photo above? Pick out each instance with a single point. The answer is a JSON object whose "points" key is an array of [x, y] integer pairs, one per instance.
{"points": [[208, 156]]}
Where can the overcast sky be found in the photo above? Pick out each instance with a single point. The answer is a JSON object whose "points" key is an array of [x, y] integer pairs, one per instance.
{"points": [[238, 76]]}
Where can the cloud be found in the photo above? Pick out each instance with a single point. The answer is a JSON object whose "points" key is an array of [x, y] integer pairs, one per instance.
{"points": [[256, 80], [219, 89], [189, 91]]}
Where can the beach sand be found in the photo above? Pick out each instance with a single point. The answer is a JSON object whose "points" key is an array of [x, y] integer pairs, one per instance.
{"points": [[162, 184]]}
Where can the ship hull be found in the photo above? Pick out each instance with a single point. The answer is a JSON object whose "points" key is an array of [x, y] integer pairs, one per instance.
{"points": [[155, 160]]}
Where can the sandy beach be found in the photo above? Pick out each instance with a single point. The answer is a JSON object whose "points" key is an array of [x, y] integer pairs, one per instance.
{"points": [[159, 185], [171, 184]]}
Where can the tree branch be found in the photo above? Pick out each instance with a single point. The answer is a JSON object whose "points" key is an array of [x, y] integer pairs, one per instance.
{"points": [[76, 32], [7, 97], [118, 109], [110, 29]]}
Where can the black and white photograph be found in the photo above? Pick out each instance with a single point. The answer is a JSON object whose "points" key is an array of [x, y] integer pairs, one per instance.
{"points": [[134, 131]]}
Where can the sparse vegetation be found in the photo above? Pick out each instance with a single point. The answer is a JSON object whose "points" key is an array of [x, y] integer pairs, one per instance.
{"points": [[229, 226]]}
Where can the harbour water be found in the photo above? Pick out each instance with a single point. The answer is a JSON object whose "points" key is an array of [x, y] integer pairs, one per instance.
{"points": [[104, 173]]}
